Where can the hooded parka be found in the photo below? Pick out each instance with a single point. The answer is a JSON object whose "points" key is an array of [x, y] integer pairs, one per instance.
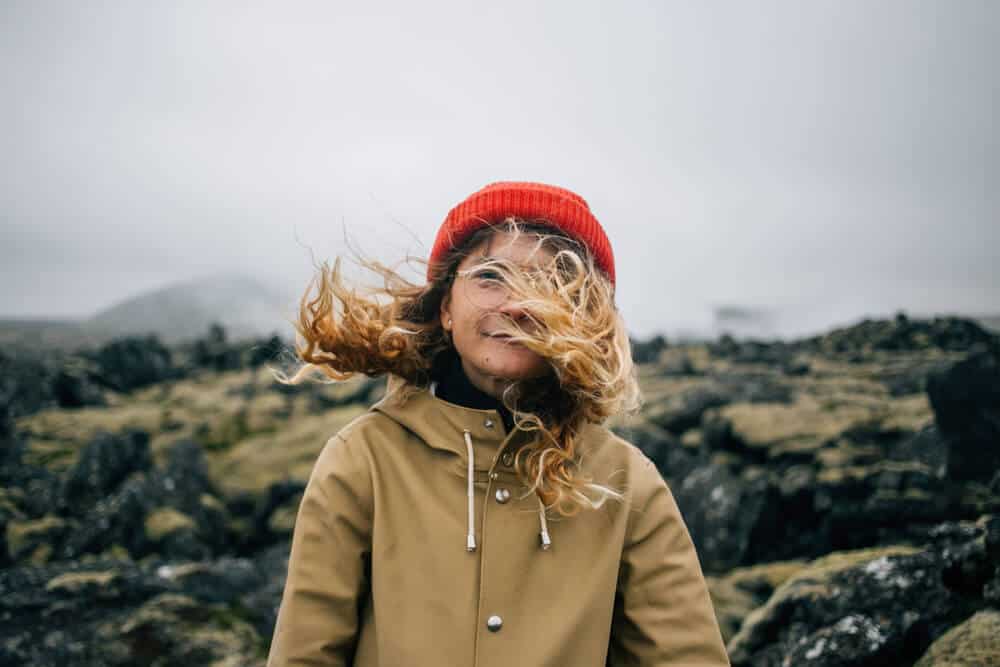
{"points": [[416, 544]]}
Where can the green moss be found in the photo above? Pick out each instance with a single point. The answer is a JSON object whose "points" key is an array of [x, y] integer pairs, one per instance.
{"points": [[165, 521], [838, 561], [25, 536], [225, 433], [282, 519], [972, 643], [77, 582]]}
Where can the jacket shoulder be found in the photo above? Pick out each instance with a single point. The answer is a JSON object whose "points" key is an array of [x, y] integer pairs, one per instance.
{"points": [[350, 449], [628, 468], [367, 427]]}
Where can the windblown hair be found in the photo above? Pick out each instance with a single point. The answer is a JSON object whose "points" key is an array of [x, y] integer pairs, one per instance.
{"points": [[574, 326]]}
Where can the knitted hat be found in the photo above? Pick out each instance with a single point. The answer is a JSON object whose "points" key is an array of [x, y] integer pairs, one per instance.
{"points": [[534, 202]]}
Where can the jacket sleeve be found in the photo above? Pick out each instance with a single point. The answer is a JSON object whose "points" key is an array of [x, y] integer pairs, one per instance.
{"points": [[318, 622], [663, 614]]}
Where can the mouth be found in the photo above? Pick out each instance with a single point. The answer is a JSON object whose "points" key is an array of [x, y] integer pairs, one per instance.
{"points": [[506, 339]]}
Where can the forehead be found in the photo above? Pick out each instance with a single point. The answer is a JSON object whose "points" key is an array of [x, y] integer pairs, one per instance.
{"points": [[524, 248]]}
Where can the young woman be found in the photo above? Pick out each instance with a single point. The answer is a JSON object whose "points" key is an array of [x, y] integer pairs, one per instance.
{"points": [[480, 514]]}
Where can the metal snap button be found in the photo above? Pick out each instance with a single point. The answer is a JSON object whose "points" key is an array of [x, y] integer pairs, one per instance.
{"points": [[488, 423], [502, 496], [494, 623], [507, 458], [494, 475]]}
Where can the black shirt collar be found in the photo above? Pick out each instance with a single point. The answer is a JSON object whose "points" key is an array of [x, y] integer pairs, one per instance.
{"points": [[453, 385]]}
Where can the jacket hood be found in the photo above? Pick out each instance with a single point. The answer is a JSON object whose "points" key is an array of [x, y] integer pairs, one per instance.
{"points": [[441, 424]]}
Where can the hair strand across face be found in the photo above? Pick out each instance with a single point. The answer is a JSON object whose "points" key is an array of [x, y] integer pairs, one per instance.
{"points": [[574, 325]]}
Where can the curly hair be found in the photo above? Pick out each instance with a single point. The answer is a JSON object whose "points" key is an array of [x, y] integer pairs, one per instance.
{"points": [[395, 328]]}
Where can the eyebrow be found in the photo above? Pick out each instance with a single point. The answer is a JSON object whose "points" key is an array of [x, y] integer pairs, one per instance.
{"points": [[518, 265]]}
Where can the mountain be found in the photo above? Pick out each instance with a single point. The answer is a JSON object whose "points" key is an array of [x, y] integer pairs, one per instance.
{"points": [[243, 305]]}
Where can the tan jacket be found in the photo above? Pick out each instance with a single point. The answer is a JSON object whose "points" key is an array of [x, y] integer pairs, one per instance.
{"points": [[380, 574]]}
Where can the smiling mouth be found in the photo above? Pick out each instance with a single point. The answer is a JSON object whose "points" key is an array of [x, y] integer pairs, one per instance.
{"points": [[506, 339]]}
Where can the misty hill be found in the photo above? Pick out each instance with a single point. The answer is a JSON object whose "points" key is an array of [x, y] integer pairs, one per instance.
{"points": [[244, 306]]}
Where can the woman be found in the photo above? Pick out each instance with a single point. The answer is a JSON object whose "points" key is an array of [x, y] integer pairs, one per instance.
{"points": [[479, 514]]}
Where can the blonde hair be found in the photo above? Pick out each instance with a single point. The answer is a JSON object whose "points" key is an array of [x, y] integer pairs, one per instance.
{"points": [[396, 329]]}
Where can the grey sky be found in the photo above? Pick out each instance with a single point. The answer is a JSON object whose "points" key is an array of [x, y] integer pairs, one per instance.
{"points": [[829, 159]]}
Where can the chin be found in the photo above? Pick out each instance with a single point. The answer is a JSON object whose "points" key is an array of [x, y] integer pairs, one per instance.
{"points": [[516, 364]]}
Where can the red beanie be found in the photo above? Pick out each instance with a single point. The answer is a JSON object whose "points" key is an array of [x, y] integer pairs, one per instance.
{"points": [[533, 202]]}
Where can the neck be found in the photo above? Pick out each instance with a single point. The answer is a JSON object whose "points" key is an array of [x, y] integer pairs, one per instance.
{"points": [[454, 386]]}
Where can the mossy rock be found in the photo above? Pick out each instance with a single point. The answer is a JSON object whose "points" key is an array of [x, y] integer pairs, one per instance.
{"points": [[731, 604], [796, 429], [765, 578], [844, 595], [974, 643], [165, 521], [282, 519], [34, 539], [173, 629], [744, 589]]}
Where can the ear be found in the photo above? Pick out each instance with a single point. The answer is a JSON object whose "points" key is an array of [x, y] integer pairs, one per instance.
{"points": [[445, 312]]}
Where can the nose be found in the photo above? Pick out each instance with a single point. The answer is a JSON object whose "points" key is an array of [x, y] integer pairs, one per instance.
{"points": [[512, 309]]}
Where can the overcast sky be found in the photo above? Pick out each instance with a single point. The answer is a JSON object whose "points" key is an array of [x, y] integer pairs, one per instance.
{"points": [[827, 159]]}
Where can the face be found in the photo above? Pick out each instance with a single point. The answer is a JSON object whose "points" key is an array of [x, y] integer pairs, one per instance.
{"points": [[477, 311]]}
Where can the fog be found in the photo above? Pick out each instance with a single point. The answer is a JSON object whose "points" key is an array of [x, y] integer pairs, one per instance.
{"points": [[822, 160]]}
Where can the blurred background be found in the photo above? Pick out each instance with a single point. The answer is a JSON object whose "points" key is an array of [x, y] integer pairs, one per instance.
{"points": [[775, 168], [802, 198]]}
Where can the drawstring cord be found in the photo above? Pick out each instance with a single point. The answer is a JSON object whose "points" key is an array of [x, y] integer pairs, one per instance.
{"points": [[470, 540], [546, 542]]}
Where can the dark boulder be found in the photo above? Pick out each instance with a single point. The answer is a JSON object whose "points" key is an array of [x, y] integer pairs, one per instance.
{"points": [[926, 446], [966, 401], [683, 411], [901, 334], [725, 513], [885, 502], [134, 362], [754, 388], [102, 466], [118, 613], [25, 384], [26, 490], [776, 354], [910, 378], [282, 498], [214, 352], [867, 608], [171, 511], [648, 351], [74, 385]]}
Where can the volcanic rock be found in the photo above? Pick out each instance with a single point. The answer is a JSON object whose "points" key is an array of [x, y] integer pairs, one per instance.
{"points": [[130, 363], [869, 607], [102, 466], [966, 403]]}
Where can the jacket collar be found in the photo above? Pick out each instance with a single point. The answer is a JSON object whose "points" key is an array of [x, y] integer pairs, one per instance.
{"points": [[441, 424]]}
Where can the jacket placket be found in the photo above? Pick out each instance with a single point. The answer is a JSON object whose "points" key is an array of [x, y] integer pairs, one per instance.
{"points": [[508, 536]]}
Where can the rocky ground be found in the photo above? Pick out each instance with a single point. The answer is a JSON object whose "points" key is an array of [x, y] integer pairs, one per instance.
{"points": [[843, 492]]}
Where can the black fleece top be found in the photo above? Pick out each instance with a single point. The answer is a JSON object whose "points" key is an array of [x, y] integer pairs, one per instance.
{"points": [[454, 386]]}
